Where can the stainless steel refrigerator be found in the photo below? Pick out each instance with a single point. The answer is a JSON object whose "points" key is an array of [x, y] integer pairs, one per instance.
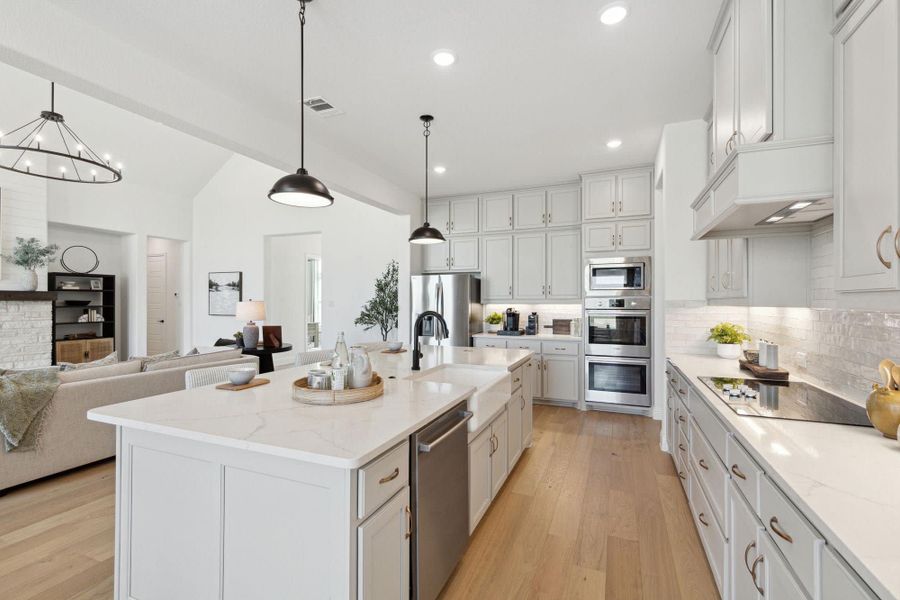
{"points": [[457, 297]]}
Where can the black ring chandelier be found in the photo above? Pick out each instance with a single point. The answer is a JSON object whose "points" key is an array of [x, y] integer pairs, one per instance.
{"points": [[50, 149]]}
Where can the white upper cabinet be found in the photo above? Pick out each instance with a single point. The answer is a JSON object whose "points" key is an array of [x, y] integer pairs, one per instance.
{"points": [[754, 26], [564, 264], [723, 87], [866, 192], [497, 268], [617, 235], [633, 235], [599, 237], [496, 212], [463, 253], [598, 196], [564, 206], [530, 210], [439, 215], [464, 215], [624, 194], [635, 194], [528, 263], [436, 257]]}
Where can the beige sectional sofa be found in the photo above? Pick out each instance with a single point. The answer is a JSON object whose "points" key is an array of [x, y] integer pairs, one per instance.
{"points": [[69, 440]]}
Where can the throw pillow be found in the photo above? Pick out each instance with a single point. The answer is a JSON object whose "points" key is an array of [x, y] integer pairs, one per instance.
{"points": [[123, 368], [109, 359], [195, 360], [146, 361]]}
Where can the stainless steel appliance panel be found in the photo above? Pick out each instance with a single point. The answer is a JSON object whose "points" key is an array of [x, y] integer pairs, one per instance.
{"points": [[621, 276], [457, 297], [623, 381], [440, 500]]}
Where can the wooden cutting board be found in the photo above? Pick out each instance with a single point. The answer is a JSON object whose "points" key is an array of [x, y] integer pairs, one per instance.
{"points": [[258, 381], [764, 373]]}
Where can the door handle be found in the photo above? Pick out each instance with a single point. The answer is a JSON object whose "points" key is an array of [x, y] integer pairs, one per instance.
{"points": [[773, 523], [886, 263], [428, 447], [161, 321], [391, 477], [897, 243], [409, 524]]}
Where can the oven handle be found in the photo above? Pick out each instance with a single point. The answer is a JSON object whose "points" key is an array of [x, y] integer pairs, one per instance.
{"points": [[617, 360], [616, 312]]}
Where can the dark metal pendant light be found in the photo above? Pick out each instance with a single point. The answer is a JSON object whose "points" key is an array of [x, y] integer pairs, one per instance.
{"points": [[301, 188], [50, 149], [426, 234]]}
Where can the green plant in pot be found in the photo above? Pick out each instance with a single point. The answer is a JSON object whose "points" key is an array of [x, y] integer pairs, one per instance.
{"points": [[31, 256], [383, 310], [728, 338], [493, 320]]}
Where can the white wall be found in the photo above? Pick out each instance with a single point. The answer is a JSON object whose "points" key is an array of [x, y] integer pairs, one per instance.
{"points": [[231, 218], [23, 213]]}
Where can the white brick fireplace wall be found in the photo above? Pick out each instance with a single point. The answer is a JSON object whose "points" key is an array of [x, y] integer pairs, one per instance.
{"points": [[25, 328]]}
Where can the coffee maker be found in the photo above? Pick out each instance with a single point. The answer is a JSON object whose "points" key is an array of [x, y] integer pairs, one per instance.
{"points": [[511, 323], [533, 324]]}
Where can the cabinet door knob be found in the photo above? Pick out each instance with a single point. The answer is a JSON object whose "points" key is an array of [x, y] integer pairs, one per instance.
{"points": [[886, 263]]}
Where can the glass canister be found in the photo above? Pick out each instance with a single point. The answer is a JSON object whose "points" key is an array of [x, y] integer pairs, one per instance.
{"points": [[360, 367]]}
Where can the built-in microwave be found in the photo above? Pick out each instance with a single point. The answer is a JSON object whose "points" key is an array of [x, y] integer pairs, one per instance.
{"points": [[622, 276]]}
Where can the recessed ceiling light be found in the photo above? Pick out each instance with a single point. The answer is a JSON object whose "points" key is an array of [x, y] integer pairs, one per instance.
{"points": [[613, 144], [613, 13], [799, 205], [774, 219], [443, 58], [440, 170]]}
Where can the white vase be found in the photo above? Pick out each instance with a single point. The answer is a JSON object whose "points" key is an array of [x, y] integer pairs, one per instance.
{"points": [[30, 280], [728, 350], [492, 328]]}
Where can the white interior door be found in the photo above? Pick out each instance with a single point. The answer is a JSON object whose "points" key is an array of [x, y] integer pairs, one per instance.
{"points": [[157, 292]]}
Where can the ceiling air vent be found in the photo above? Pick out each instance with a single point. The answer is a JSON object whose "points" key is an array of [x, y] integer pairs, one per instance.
{"points": [[322, 107]]}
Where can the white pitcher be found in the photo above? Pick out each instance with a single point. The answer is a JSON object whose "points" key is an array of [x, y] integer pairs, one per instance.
{"points": [[360, 367]]}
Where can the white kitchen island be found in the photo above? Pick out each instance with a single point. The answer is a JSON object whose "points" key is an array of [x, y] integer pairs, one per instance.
{"points": [[234, 495]]}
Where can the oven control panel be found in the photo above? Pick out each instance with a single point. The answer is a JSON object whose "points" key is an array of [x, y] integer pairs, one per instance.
{"points": [[626, 303]]}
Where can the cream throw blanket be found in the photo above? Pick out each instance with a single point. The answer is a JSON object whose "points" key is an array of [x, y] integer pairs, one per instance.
{"points": [[24, 402]]}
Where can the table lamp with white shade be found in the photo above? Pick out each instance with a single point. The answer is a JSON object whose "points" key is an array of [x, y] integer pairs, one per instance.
{"points": [[251, 310]]}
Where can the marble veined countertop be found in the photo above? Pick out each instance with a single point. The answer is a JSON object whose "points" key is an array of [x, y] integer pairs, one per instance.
{"points": [[266, 419], [845, 479]]}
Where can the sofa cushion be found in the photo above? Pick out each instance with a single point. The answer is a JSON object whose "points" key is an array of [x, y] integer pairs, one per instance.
{"points": [[195, 360], [110, 359], [146, 361], [122, 368]]}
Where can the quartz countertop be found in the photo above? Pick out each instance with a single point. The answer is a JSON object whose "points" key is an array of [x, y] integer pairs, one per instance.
{"points": [[266, 419], [540, 337], [845, 479]]}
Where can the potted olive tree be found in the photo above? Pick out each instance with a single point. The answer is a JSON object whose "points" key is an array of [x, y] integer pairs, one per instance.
{"points": [[728, 338], [31, 256], [383, 310]]}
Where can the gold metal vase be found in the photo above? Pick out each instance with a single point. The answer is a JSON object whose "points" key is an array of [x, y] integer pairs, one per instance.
{"points": [[883, 408]]}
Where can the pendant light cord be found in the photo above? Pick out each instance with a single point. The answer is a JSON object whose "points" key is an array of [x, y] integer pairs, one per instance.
{"points": [[426, 133], [302, 96]]}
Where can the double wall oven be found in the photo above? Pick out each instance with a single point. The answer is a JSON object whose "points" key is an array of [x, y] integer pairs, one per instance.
{"points": [[617, 326]]}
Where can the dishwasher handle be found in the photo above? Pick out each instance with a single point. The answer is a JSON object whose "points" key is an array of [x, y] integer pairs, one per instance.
{"points": [[466, 414]]}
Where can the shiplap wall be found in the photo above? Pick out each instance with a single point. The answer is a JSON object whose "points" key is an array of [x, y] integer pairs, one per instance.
{"points": [[23, 213]]}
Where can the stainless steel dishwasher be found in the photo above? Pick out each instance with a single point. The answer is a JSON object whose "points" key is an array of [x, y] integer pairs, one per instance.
{"points": [[440, 500]]}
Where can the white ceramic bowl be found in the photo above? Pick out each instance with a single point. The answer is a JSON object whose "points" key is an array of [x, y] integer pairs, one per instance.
{"points": [[241, 375], [394, 346]]}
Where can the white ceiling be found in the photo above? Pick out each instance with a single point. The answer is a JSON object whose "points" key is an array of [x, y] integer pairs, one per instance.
{"points": [[536, 92]]}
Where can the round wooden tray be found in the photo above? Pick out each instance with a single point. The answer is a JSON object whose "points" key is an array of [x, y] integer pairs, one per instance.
{"points": [[303, 393]]}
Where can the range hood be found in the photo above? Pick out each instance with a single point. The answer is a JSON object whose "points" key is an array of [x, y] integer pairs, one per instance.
{"points": [[765, 188]]}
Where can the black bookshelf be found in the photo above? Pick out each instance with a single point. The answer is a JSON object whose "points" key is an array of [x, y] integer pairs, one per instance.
{"points": [[99, 291]]}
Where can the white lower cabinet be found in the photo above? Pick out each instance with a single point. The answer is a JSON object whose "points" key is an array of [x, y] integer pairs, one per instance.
{"points": [[777, 582], [744, 531], [727, 268], [528, 389], [488, 467], [711, 534], [500, 456], [514, 409], [560, 377], [383, 551], [838, 580]]}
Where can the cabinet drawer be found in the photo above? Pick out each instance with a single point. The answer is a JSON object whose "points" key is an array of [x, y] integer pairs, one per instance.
{"points": [[681, 388], [839, 582], [516, 377], [790, 531], [710, 472], [379, 480], [682, 418], [533, 346], [570, 348], [489, 343], [710, 533], [709, 424], [744, 471]]}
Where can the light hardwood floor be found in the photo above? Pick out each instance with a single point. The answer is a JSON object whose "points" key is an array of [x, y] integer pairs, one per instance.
{"points": [[593, 510]]}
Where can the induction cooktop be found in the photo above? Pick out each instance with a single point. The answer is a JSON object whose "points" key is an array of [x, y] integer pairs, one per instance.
{"points": [[792, 400]]}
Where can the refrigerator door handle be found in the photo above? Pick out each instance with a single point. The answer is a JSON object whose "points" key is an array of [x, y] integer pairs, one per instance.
{"points": [[439, 333]]}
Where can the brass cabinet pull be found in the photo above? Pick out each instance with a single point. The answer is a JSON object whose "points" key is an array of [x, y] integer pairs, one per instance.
{"points": [[773, 523], [755, 564], [703, 464], [886, 263], [673, 380], [408, 512], [510, 221], [549, 217], [682, 419], [516, 380], [620, 206], [681, 475], [682, 392], [681, 447], [390, 477], [897, 243], [747, 550], [612, 207], [452, 226], [737, 472], [701, 518]]}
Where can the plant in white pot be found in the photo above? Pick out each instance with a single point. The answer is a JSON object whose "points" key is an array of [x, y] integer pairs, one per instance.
{"points": [[728, 338], [31, 256], [493, 321]]}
